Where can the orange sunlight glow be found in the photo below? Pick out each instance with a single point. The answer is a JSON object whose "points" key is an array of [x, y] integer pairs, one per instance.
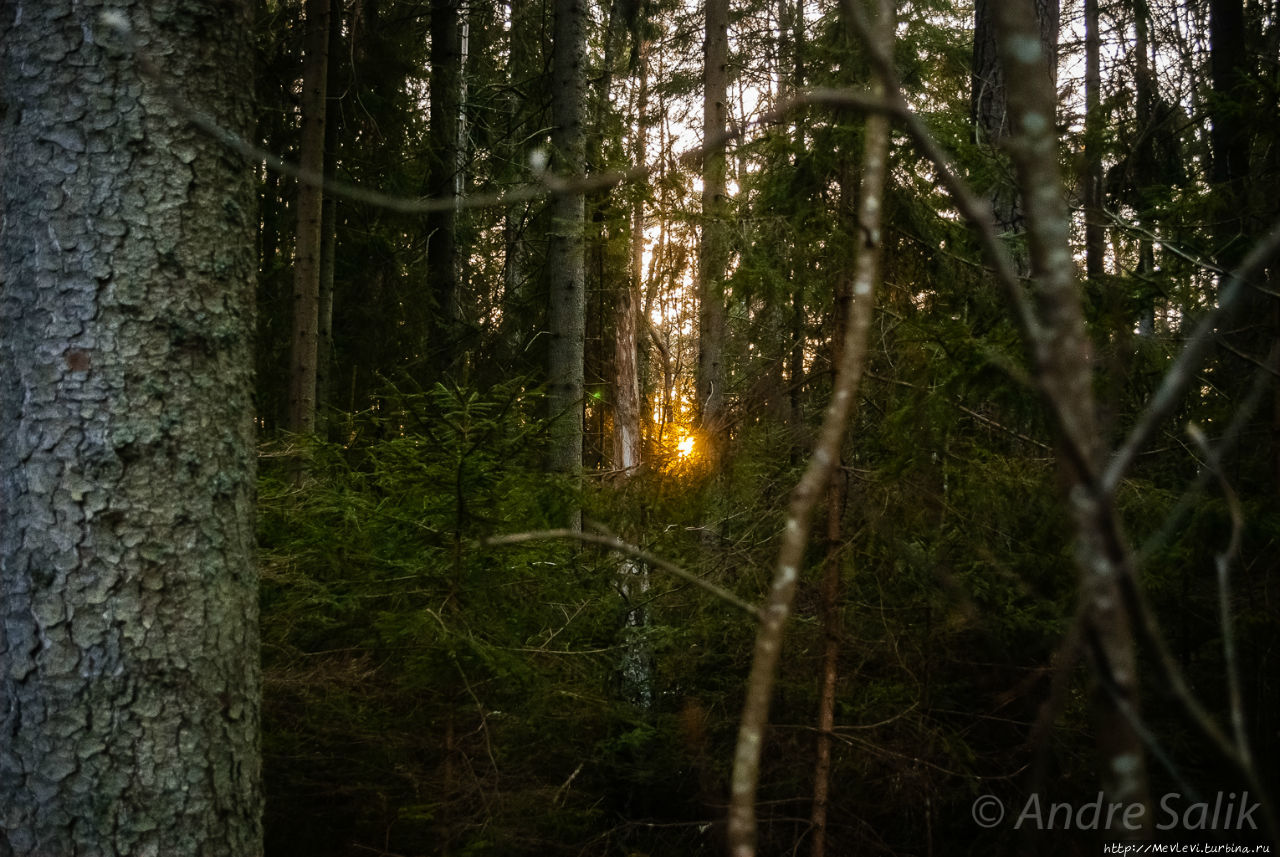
{"points": [[685, 447]]}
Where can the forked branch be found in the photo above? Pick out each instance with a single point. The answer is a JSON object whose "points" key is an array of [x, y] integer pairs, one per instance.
{"points": [[826, 454]]}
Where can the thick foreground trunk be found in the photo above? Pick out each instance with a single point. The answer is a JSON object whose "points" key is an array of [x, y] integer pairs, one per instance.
{"points": [[128, 595]]}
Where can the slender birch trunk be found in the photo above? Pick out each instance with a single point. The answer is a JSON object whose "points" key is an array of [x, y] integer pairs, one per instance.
{"points": [[1060, 350]]}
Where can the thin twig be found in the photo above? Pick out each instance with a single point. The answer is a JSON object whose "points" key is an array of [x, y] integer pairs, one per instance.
{"points": [[1150, 234], [484, 720], [615, 543], [1171, 677], [1223, 562], [547, 184], [1182, 372], [955, 404], [1261, 386]]}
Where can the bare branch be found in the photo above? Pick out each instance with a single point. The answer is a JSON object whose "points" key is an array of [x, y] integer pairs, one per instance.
{"points": [[1182, 372], [1261, 386], [764, 663], [982, 418], [1223, 562], [1175, 683], [1128, 226]]}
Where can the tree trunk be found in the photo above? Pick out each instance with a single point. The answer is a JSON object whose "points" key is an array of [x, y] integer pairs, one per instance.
{"points": [[637, 663], [129, 676], [522, 70], [989, 101], [1094, 236], [1229, 132], [324, 310], [306, 272], [442, 183], [713, 250], [1144, 167], [565, 259], [328, 241], [626, 396], [831, 632], [799, 316]]}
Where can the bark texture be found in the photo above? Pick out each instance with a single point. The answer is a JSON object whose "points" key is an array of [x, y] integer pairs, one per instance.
{"points": [[1094, 237], [637, 659], [989, 98], [522, 68], [129, 676], [1228, 61], [328, 234]]}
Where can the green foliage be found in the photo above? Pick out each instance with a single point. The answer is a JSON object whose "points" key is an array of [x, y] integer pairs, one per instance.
{"points": [[423, 688]]}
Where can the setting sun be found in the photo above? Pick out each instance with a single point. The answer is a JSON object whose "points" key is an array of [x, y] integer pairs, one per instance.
{"points": [[685, 447]]}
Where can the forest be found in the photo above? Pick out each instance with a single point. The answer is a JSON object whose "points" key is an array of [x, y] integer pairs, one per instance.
{"points": [[639, 427]]}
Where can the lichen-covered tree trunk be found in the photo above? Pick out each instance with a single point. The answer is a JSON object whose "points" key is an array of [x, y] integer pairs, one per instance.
{"points": [[626, 385], [989, 106], [129, 676], [633, 575], [1060, 351]]}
